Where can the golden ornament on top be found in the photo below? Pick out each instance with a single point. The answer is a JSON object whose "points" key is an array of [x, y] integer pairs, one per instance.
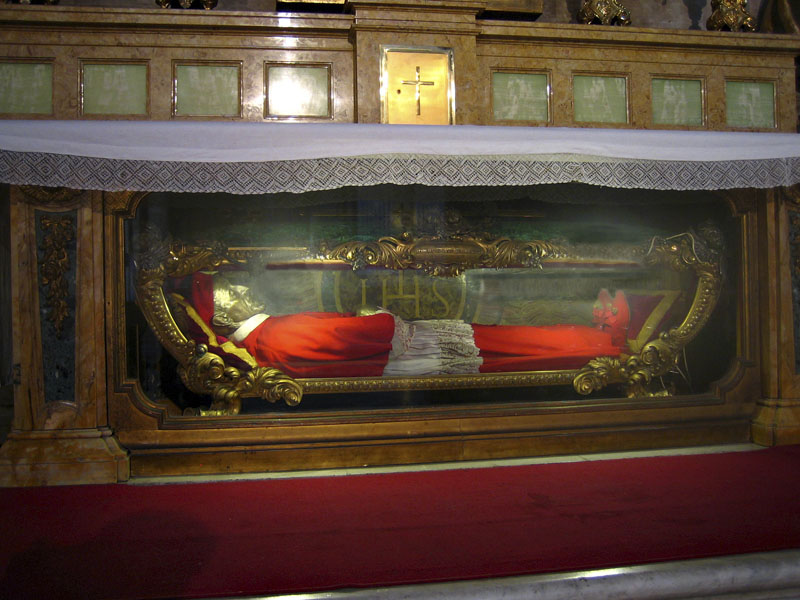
{"points": [[604, 12], [730, 15]]}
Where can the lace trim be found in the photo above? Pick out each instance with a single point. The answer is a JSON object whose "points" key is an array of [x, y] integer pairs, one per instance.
{"points": [[401, 340], [80, 172], [434, 347], [458, 353]]}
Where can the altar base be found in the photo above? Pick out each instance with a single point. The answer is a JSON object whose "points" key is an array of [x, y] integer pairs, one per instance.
{"points": [[777, 422], [68, 457]]}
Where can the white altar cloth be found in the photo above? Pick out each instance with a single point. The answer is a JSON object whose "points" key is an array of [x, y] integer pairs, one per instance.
{"points": [[297, 157]]}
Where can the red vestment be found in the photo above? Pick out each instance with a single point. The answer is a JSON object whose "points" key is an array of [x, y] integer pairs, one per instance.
{"points": [[323, 344], [343, 345], [527, 348], [327, 344]]}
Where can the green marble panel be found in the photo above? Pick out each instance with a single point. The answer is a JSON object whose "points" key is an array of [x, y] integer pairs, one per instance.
{"points": [[207, 90], [294, 91], [600, 99], [677, 102], [26, 87], [114, 89], [520, 96], [750, 104]]}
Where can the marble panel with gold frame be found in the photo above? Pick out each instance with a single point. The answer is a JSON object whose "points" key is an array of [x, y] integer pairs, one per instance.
{"points": [[600, 98], [26, 86], [206, 88], [297, 90], [678, 101], [521, 96], [114, 87], [417, 86], [750, 104]]}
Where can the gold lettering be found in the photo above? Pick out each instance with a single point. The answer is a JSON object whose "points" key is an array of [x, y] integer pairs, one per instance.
{"points": [[387, 298], [446, 312]]}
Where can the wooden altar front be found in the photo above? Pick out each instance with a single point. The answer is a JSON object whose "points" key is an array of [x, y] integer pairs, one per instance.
{"points": [[81, 416]]}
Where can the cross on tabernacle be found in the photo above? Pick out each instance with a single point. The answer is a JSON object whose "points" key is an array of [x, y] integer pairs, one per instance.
{"points": [[417, 82]]}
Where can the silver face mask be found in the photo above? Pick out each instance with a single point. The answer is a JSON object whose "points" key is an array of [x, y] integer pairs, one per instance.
{"points": [[233, 304]]}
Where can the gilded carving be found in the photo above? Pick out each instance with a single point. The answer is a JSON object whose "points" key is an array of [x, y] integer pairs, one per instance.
{"points": [[730, 15], [604, 12], [124, 202], [54, 264], [443, 257], [60, 197], [440, 382], [202, 372], [206, 373], [699, 253]]}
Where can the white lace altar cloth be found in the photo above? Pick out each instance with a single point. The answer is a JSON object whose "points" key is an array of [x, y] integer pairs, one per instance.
{"points": [[255, 158]]}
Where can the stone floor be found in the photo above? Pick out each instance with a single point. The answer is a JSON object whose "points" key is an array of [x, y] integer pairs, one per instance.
{"points": [[762, 576]]}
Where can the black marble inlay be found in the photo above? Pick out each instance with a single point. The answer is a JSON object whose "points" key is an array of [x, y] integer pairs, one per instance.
{"points": [[56, 245], [794, 245]]}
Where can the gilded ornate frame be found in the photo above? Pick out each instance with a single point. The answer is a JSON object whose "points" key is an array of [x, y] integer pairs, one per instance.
{"points": [[207, 373]]}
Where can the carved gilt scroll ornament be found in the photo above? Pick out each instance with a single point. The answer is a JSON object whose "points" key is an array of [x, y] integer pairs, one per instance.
{"points": [[201, 371], [443, 257], [53, 266], [684, 252], [604, 12], [730, 15], [206, 372]]}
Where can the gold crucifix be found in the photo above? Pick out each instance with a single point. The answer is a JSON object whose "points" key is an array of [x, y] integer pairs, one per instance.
{"points": [[417, 82], [436, 106]]}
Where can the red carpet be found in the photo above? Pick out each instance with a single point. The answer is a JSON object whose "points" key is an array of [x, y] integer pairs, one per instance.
{"points": [[321, 533]]}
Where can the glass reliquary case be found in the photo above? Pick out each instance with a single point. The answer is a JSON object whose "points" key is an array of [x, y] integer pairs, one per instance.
{"points": [[391, 297]]}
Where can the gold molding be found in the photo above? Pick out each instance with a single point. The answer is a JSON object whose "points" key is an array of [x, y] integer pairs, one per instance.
{"points": [[444, 257], [125, 203], [681, 252]]}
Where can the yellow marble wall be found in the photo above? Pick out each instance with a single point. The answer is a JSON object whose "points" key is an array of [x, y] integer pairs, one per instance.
{"points": [[162, 38], [350, 44], [639, 55]]}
